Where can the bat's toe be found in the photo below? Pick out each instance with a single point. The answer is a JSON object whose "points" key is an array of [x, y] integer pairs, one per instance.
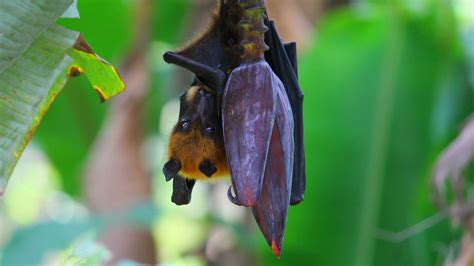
{"points": [[171, 169]]}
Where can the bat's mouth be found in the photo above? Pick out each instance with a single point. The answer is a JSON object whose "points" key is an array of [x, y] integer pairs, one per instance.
{"points": [[190, 184], [182, 190]]}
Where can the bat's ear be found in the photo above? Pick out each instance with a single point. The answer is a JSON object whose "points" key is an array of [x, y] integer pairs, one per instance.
{"points": [[207, 168], [213, 77], [171, 169], [182, 190]]}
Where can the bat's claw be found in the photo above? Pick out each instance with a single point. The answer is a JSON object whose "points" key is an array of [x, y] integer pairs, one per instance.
{"points": [[233, 198], [171, 169]]}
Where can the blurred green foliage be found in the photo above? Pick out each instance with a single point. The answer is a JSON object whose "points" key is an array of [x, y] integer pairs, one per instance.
{"points": [[107, 25], [37, 239], [385, 90]]}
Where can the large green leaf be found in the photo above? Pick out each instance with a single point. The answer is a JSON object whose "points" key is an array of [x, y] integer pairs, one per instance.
{"points": [[371, 84], [34, 66], [68, 147]]}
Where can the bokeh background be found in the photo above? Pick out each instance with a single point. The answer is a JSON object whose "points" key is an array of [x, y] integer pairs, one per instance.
{"points": [[388, 85]]}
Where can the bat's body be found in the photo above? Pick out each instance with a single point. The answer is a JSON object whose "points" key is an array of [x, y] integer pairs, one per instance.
{"points": [[250, 77], [196, 149], [196, 140]]}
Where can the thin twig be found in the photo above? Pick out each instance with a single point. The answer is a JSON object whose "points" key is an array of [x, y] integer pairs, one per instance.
{"points": [[398, 237]]}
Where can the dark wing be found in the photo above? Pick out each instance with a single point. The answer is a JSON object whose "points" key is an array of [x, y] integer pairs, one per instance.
{"points": [[282, 60], [206, 57], [211, 76]]}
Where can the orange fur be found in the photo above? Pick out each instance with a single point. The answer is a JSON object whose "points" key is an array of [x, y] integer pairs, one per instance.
{"points": [[191, 93], [192, 148]]}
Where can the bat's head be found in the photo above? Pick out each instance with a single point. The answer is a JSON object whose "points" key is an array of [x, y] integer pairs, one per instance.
{"points": [[196, 149], [198, 111]]}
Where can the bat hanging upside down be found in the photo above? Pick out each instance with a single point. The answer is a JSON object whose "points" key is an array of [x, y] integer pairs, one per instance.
{"points": [[243, 117], [196, 147]]}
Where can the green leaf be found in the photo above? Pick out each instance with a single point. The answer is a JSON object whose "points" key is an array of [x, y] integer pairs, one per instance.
{"points": [[103, 77], [67, 147], [34, 66], [107, 25], [27, 90], [22, 23], [72, 11]]}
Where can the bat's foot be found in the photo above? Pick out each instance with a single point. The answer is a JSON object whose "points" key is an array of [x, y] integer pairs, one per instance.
{"points": [[171, 169]]}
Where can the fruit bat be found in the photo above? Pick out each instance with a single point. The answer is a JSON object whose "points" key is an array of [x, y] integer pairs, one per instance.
{"points": [[253, 76], [196, 148]]}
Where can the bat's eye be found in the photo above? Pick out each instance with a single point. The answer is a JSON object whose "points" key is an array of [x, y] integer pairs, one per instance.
{"points": [[209, 131], [184, 124]]}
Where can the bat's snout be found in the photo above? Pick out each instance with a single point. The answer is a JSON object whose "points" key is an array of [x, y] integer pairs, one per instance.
{"points": [[208, 168], [182, 190]]}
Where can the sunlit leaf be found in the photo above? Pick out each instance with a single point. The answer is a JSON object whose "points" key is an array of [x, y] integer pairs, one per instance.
{"points": [[108, 26], [34, 67], [103, 76]]}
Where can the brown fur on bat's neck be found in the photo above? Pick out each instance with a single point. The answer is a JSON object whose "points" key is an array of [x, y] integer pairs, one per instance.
{"points": [[239, 26]]}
